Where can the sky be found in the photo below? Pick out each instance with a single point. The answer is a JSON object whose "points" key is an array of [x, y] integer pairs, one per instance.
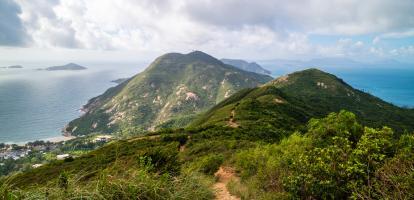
{"points": [[136, 30]]}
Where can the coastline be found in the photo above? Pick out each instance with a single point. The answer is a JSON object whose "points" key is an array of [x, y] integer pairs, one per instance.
{"points": [[56, 139]]}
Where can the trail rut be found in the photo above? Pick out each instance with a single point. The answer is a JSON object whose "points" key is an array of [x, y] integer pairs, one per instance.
{"points": [[224, 175]]}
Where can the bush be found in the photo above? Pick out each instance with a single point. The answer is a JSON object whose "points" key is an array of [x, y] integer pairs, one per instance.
{"points": [[208, 164], [336, 159]]}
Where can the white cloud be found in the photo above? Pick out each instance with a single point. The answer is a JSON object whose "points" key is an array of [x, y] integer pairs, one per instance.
{"points": [[403, 51], [347, 17], [344, 47], [260, 29], [394, 35]]}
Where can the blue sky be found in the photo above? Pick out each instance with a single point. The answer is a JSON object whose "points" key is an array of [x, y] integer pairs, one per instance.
{"points": [[125, 30]]}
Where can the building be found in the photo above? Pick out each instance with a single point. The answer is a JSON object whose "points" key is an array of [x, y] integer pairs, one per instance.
{"points": [[37, 165], [62, 156], [102, 138]]}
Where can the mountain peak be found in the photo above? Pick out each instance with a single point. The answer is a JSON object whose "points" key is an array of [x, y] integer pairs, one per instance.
{"points": [[169, 93], [308, 74], [316, 74], [166, 60], [72, 65], [246, 66], [199, 55], [313, 71]]}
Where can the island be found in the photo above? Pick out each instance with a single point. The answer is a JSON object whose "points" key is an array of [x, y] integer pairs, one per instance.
{"points": [[70, 66], [13, 67]]}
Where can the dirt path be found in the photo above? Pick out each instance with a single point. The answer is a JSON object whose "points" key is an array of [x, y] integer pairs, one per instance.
{"points": [[232, 122], [224, 175], [182, 148], [145, 137]]}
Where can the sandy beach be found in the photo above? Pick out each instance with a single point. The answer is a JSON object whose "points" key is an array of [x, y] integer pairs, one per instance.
{"points": [[59, 138]]}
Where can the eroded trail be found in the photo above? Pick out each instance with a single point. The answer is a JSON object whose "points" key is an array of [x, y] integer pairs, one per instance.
{"points": [[224, 175], [232, 123]]}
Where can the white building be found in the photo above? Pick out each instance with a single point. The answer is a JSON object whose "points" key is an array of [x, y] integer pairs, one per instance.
{"points": [[37, 165], [62, 156], [102, 138]]}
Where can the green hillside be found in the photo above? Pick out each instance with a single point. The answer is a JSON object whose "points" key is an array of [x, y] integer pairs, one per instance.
{"points": [[291, 100], [332, 158], [287, 139], [168, 93]]}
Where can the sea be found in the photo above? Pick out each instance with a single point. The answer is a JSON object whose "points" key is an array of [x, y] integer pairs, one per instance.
{"points": [[36, 105]]}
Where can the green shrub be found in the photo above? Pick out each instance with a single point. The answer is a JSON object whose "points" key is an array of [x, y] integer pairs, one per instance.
{"points": [[208, 164], [336, 159]]}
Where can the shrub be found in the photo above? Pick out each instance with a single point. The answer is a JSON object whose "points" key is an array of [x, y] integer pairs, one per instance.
{"points": [[208, 164]]}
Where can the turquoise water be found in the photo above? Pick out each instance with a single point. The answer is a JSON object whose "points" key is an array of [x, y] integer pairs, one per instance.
{"points": [[37, 104]]}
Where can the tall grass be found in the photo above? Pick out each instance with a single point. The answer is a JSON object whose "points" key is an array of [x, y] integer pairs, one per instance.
{"points": [[140, 184]]}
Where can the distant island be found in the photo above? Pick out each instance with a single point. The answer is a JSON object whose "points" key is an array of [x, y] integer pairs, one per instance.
{"points": [[246, 66], [70, 66], [119, 80], [13, 67]]}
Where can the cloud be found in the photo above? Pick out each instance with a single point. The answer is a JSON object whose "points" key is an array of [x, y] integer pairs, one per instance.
{"points": [[260, 29], [344, 47], [44, 25], [394, 35], [403, 51], [12, 32], [347, 17]]}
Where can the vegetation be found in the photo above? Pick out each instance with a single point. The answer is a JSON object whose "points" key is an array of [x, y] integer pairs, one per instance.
{"points": [[292, 100], [167, 94], [41, 152], [288, 139], [336, 158]]}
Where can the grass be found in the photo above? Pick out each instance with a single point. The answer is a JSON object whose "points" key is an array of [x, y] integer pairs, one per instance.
{"points": [[269, 166]]}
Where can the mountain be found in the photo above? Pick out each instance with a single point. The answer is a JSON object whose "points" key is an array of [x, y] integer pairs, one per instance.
{"points": [[69, 66], [246, 66], [168, 93], [119, 80], [291, 100]]}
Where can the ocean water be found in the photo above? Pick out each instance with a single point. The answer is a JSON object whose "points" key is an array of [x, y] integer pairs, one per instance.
{"points": [[37, 104], [392, 85]]}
